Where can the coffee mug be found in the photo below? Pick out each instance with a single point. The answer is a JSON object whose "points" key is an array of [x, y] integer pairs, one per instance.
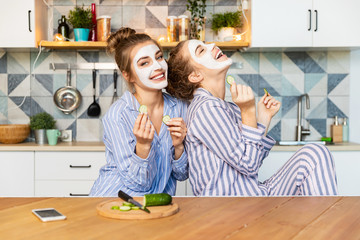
{"points": [[52, 136]]}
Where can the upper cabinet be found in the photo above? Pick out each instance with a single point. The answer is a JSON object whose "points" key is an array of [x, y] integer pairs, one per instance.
{"points": [[23, 23], [305, 23]]}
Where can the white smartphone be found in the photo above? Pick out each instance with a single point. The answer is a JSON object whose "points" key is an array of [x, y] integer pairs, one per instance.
{"points": [[48, 214]]}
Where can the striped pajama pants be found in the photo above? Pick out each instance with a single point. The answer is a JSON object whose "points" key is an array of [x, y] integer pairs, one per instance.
{"points": [[310, 171]]}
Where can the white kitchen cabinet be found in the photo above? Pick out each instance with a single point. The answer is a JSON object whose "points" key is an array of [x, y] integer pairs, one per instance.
{"points": [[23, 23], [64, 174], [305, 23], [17, 174], [347, 165]]}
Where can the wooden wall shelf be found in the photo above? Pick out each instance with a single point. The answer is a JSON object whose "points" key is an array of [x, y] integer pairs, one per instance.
{"points": [[102, 45]]}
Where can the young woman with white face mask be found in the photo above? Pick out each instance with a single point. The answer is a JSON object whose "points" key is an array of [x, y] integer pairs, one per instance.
{"points": [[227, 142], [145, 154]]}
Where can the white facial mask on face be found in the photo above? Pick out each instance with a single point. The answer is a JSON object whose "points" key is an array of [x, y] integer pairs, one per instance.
{"points": [[207, 60], [147, 71]]}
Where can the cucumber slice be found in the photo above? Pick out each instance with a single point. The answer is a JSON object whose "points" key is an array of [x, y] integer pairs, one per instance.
{"points": [[143, 109], [125, 208], [166, 119], [230, 79], [157, 199], [128, 204], [266, 92], [115, 207], [135, 208]]}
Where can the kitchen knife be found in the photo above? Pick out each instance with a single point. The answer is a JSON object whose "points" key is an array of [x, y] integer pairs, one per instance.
{"points": [[129, 199]]}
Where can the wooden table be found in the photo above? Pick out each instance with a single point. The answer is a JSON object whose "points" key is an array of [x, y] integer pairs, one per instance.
{"points": [[198, 218]]}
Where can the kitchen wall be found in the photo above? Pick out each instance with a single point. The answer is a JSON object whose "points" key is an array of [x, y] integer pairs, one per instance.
{"points": [[323, 75]]}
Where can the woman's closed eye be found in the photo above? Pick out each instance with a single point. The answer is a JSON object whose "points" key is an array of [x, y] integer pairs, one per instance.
{"points": [[160, 57]]}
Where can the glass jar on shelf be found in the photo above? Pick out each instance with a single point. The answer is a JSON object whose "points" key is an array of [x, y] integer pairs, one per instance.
{"points": [[183, 27], [172, 29]]}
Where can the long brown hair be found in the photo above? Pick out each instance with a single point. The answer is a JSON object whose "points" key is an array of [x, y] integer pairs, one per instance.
{"points": [[179, 70], [121, 43]]}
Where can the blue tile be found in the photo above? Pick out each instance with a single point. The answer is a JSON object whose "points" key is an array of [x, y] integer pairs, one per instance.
{"points": [[152, 21], [35, 108], [3, 64], [226, 3], [176, 10], [90, 56], [251, 80], [297, 58], [4, 105], [275, 58], [275, 132], [26, 105], [252, 59], [334, 80], [270, 86], [333, 110], [46, 80], [319, 125], [288, 103], [105, 81], [14, 80], [310, 66], [158, 3]]}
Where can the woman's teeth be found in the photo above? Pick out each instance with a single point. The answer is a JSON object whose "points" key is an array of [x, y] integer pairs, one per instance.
{"points": [[219, 55], [158, 77]]}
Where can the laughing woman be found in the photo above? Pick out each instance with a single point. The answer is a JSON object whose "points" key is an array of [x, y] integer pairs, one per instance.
{"points": [[144, 153], [227, 142]]}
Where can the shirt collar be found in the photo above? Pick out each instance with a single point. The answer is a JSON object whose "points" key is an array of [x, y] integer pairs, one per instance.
{"points": [[202, 92]]}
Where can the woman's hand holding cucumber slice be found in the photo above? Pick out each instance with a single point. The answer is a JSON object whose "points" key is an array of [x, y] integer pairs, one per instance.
{"points": [[267, 107], [144, 132], [177, 128]]}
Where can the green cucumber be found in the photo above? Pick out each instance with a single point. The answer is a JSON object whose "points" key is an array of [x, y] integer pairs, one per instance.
{"points": [[128, 204], [166, 119], [143, 109], [157, 199], [115, 207], [230, 79], [266, 92], [125, 208], [135, 208]]}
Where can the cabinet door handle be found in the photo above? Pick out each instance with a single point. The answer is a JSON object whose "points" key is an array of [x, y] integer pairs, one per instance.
{"points": [[316, 19], [78, 195], [309, 20], [88, 166], [29, 15]]}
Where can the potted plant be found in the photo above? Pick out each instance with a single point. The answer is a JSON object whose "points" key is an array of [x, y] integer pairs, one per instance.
{"points": [[81, 20], [39, 123], [224, 24], [197, 9]]}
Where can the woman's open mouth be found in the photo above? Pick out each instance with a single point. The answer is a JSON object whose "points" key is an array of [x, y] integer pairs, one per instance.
{"points": [[219, 54], [158, 77]]}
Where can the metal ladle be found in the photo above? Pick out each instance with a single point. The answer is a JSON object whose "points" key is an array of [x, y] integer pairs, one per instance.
{"points": [[94, 108]]}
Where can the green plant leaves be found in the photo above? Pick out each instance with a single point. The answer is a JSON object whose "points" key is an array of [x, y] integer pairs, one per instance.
{"points": [[42, 120], [227, 19], [80, 17]]}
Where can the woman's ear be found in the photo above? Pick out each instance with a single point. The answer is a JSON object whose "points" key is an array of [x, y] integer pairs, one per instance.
{"points": [[126, 76], [195, 77]]}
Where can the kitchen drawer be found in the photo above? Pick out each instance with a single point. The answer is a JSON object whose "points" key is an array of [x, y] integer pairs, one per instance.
{"points": [[68, 165], [62, 188]]}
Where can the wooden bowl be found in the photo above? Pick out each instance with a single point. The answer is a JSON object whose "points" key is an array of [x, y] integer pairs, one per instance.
{"points": [[13, 133]]}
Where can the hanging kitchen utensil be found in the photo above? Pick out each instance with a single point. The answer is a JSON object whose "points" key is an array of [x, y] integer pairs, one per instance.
{"points": [[115, 96], [67, 98], [94, 108]]}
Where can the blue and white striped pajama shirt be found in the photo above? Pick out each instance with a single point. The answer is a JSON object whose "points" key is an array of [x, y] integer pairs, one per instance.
{"points": [[225, 156], [124, 169]]}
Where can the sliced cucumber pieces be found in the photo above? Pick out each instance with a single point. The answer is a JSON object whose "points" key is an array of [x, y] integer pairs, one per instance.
{"points": [[115, 207], [125, 208], [135, 208], [143, 109], [157, 199], [266, 92], [166, 119], [128, 204], [230, 79]]}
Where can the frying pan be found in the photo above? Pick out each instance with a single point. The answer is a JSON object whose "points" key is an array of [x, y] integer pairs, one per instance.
{"points": [[67, 98]]}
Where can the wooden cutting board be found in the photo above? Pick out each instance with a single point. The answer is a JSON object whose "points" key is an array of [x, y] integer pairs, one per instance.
{"points": [[104, 209]]}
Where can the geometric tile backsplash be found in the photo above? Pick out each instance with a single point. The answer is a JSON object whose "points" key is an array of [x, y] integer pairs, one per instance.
{"points": [[26, 89]]}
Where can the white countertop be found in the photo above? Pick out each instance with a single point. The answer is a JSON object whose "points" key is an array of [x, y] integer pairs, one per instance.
{"points": [[99, 147]]}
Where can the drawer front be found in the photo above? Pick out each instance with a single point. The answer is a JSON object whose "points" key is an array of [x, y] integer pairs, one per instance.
{"points": [[68, 165], [62, 188]]}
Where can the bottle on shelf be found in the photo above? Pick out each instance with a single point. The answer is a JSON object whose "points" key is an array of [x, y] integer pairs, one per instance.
{"points": [[92, 34], [336, 131], [345, 127], [63, 28]]}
